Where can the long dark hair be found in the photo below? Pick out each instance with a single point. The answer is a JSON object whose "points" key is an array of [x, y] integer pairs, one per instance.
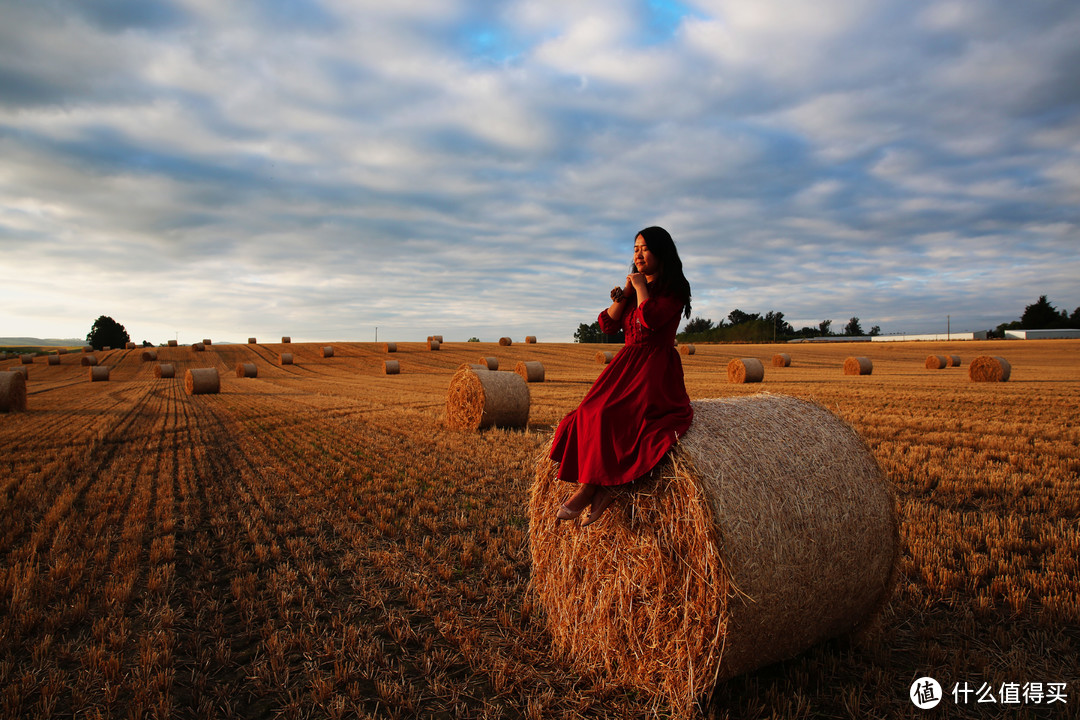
{"points": [[671, 280]]}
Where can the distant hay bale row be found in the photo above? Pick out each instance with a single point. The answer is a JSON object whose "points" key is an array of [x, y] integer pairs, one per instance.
{"points": [[781, 360], [989, 368], [531, 370], [604, 357], [164, 370], [12, 391], [436, 338], [721, 561], [478, 400], [745, 370], [202, 381], [686, 349], [247, 370], [286, 358], [858, 366], [99, 373]]}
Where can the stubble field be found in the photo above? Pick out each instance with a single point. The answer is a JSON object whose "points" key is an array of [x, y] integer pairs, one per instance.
{"points": [[315, 542]]}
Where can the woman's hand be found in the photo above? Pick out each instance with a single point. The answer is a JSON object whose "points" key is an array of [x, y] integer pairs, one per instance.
{"points": [[637, 281]]}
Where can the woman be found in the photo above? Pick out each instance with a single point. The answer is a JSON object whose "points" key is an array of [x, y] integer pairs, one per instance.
{"points": [[638, 407]]}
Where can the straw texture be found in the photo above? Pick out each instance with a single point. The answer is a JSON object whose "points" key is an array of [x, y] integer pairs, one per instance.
{"points": [[12, 391], [247, 370], [165, 370], [858, 366], [604, 357], [745, 370], [286, 359], [99, 373], [478, 400], [989, 368], [202, 381], [391, 367], [936, 362], [531, 370], [492, 363], [781, 360], [721, 560]]}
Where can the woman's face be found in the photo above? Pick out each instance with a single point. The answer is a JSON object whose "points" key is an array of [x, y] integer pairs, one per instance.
{"points": [[644, 261]]}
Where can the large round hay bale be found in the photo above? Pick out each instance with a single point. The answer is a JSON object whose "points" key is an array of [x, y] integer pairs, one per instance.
{"points": [[858, 366], [745, 370], [247, 370], [61, 351], [936, 362], [328, 352], [12, 391], [22, 370], [505, 341], [391, 367], [286, 339], [531, 370], [89, 360], [129, 346], [149, 355], [198, 347], [202, 381], [286, 359], [433, 344], [172, 343], [687, 349], [26, 359], [721, 560], [87, 348], [954, 360], [530, 339], [989, 368], [604, 357], [478, 400], [491, 363], [54, 360], [390, 347], [99, 373], [475, 367], [252, 341], [164, 370], [781, 360]]}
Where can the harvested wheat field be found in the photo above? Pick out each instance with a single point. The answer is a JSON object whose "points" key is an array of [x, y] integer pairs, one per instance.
{"points": [[315, 541]]}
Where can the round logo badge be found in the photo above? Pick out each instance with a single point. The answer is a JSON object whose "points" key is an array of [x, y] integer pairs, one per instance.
{"points": [[925, 693]]}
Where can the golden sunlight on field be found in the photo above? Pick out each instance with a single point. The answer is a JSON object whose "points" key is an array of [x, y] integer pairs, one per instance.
{"points": [[315, 541]]}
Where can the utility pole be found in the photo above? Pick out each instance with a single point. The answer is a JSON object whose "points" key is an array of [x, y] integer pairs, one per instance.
{"points": [[948, 327], [376, 333]]}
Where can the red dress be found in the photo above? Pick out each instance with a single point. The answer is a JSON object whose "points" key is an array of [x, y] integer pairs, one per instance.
{"points": [[636, 409]]}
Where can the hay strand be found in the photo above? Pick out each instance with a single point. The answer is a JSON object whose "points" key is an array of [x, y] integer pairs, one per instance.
{"points": [[391, 367], [202, 381], [781, 360], [989, 368], [12, 391], [164, 370], [721, 560], [478, 400], [745, 370], [531, 370], [99, 373], [247, 370], [604, 357], [491, 363], [858, 366]]}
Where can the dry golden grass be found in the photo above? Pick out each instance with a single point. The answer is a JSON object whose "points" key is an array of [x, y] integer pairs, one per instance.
{"points": [[315, 542]]}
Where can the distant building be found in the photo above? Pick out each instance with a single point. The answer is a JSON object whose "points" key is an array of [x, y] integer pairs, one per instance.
{"points": [[1041, 334]]}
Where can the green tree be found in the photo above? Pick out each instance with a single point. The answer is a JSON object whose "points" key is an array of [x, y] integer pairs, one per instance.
{"points": [[698, 325], [853, 328], [1042, 314], [106, 332], [1074, 319], [738, 317], [825, 328], [593, 334], [875, 331]]}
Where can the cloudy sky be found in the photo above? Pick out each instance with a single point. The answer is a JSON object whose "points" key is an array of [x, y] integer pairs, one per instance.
{"points": [[320, 168]]}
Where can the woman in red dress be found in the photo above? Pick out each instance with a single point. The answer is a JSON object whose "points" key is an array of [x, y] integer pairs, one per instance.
{"points": [[638, 407]]}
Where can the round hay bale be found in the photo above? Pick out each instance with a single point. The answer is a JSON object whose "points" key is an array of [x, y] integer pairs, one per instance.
{"points": [[530, 339], [936, 362], [22, 370], [252, 341], [207, 341], [989, 368], [478, 400], [286, 359], [247, 370], [106, 348], [172, 343], [89, 360], [491, 363], [781, 360], [390, 347], [61, 351], [129, 346], [437, 338], [328, 352], [474, 367], [99, 373], [54, 360], [745, 370], [149, 355], [391, 367], [532, 370], [858, 366], [12, 391], [198, 347], [686, 349], [505, 341], [202, 381], [721, 560], [87, 349], [954, 360], [433, 344], [604, 357], [26, 359], [286, 339], [164, 370]]}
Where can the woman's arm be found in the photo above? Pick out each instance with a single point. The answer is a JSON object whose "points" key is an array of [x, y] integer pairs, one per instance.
{"points": [[615, 311]]}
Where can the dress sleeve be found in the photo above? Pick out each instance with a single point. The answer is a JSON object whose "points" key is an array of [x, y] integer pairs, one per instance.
{"points": [[607, 325], [658, 311]]}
